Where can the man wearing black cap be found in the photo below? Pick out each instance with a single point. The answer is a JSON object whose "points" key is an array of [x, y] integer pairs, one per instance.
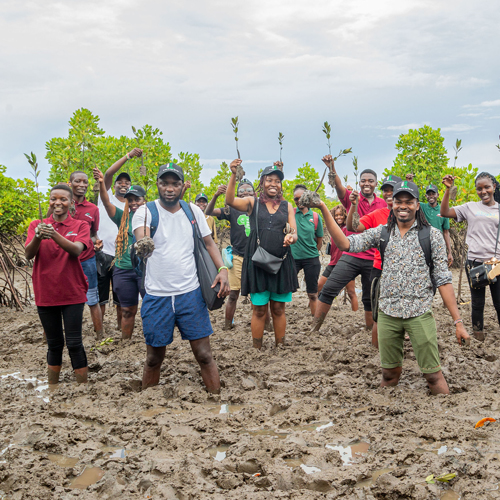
{"points": [[173, 295], [350, 266], [406, 286], [432, 213], [201, 201], [239, 233], [108, 231]]}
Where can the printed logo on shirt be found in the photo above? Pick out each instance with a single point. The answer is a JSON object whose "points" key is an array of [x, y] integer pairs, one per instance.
{"points": [[71, 233], [487, 214], [88, 215], [244, 220]]}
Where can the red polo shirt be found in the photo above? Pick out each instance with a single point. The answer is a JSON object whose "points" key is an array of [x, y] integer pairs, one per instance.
{"points": [[89, 213], [58, 278], [375, 219], [364, 208]]}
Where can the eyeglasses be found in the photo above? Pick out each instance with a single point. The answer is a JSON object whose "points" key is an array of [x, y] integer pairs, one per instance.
{"points": [[245, 190], [297, 199]]}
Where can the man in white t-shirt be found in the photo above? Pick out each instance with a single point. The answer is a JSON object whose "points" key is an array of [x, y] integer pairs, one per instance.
{"points": [[108, 231], [173, 295]]}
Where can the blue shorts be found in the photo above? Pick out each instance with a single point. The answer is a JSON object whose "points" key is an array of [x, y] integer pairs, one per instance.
{"points": [[127, 286], [90, 271], [187, 311]]}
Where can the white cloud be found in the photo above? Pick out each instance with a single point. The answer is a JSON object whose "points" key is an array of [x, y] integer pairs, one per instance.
{"points": [[484, 104], [458, 127]]}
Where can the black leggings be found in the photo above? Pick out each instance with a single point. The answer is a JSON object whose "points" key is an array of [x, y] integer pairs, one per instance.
{"points": [[52, 318], [478, 296]]}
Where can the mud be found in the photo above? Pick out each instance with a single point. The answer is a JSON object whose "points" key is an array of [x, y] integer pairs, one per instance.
{"points": [[305, 421], [144, 246], [310, 199]]}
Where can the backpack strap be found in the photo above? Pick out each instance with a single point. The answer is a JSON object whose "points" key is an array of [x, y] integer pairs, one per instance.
{"points": [[155, 217], [187, 210], [384, 240], [316, 221], [424, 238]]}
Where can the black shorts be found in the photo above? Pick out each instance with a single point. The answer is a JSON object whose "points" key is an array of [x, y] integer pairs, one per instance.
{"points": [[312, 268], [105, 278], [328, 270], [347, 268]]}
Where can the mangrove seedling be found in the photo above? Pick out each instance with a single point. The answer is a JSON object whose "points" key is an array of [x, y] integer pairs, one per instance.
{"points": [[240, 173], [457, 147], [36, 172], [280, 140], [327, 130], [355, 217], [102, 344]]}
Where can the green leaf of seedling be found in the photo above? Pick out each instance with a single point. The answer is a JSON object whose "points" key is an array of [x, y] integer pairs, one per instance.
{"points": [[445, 478], [429, 479]]}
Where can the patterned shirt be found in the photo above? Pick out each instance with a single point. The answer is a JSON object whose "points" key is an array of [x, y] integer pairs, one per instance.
{"points": [[405, 285]]}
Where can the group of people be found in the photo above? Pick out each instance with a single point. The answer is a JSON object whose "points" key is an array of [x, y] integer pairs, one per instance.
{"points": [[399, 246]]}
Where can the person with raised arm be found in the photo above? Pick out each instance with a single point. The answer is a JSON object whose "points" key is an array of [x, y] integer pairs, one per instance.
{"points": [[482, 239], [407, 286], [350, 266], [239, 233], [273, 230]]}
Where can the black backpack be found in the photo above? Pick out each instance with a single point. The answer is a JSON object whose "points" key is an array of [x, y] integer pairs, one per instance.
{"points": [[424, 238]]}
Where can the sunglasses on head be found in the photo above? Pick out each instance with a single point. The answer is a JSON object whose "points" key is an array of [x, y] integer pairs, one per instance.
{"points": [[245, 190]]}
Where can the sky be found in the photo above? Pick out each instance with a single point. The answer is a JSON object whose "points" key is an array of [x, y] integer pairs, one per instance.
{"points": [[371, 68]]}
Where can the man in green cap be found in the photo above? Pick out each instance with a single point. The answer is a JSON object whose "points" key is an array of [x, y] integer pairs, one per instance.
{"points": [[431, 211]]}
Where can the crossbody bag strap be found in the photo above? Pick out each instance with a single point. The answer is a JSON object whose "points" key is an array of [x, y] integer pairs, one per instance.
{"points": [[498, 231], [256, 210]]}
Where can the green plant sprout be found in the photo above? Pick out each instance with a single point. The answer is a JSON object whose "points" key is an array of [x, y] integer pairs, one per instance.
{"points": [[454, 188], [356, 171], [327, 130], [36, 172], [280, 140], [102, 344], [234, 124]]}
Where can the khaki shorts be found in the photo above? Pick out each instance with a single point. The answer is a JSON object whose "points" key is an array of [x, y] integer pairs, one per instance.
{"points": [[235, 273], [423, 336]]}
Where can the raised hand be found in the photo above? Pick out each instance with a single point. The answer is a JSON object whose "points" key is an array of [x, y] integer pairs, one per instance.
{"points": [[448, 181], [234, 165]]}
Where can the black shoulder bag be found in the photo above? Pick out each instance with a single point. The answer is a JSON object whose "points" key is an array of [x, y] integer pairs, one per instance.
{"points": [[486, 273], [262, 258]]}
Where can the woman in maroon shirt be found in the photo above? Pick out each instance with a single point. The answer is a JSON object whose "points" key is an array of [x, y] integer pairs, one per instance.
{"points": [[340, 215], [59, 283]]}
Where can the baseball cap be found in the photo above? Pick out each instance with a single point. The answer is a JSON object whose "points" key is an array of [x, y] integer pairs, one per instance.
{"points": [[136, 191], [171, 168], [390, 180], [201, 196], [431, 187], [123, 174], [243, 182], [273, 170], [406, 187]]}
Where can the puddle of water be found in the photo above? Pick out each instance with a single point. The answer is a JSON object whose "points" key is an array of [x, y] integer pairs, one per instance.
{"points": [[293, 462], [226, 408], [62, 460], [349, 452], [309, 470], [450, 495], [442, 449], [153, 412], [266, 432], [458, 450], [313, 426], [219, 452], [367, 483], [40, 385], [89, 476], [321, 427], [117, 452]]}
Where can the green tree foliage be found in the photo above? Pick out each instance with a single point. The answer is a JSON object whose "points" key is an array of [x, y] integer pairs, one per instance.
{"points": [[221, 177], [18, 204], [190, 163]]}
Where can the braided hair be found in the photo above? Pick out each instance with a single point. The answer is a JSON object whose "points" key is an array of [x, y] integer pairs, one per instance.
{"points": [[392, 222], [122, 237], [496, 185]]}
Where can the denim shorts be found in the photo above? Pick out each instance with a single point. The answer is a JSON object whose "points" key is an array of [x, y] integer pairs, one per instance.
{"points": [[187, 311], [90, 271]]}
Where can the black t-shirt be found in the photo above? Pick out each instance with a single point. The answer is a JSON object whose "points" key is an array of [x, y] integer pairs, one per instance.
{"points": [[240, 229]]}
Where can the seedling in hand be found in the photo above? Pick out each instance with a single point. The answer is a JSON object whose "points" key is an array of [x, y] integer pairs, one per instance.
{"points": [[240, 173], [280, 140], [36, 172], [454, 189], [355, 217]]}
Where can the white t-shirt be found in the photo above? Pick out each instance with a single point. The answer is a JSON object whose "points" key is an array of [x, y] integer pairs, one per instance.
{"points": [[171, 270], [108, 231]]}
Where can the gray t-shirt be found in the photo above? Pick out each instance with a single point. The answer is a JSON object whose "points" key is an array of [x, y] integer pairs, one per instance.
{"points": [[482, 227]]}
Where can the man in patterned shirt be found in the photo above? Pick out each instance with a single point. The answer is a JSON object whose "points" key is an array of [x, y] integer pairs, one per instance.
{"points": [[406, 287]]}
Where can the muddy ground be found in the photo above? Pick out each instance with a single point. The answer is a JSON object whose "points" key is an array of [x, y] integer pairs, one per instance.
{"points": [[305, 421]]}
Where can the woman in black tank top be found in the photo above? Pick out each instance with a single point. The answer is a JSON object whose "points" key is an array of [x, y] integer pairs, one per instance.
{"points": [[274, 213]]}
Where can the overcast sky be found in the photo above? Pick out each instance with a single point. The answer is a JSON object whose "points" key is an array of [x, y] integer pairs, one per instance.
{"points": [[372, 68]]}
